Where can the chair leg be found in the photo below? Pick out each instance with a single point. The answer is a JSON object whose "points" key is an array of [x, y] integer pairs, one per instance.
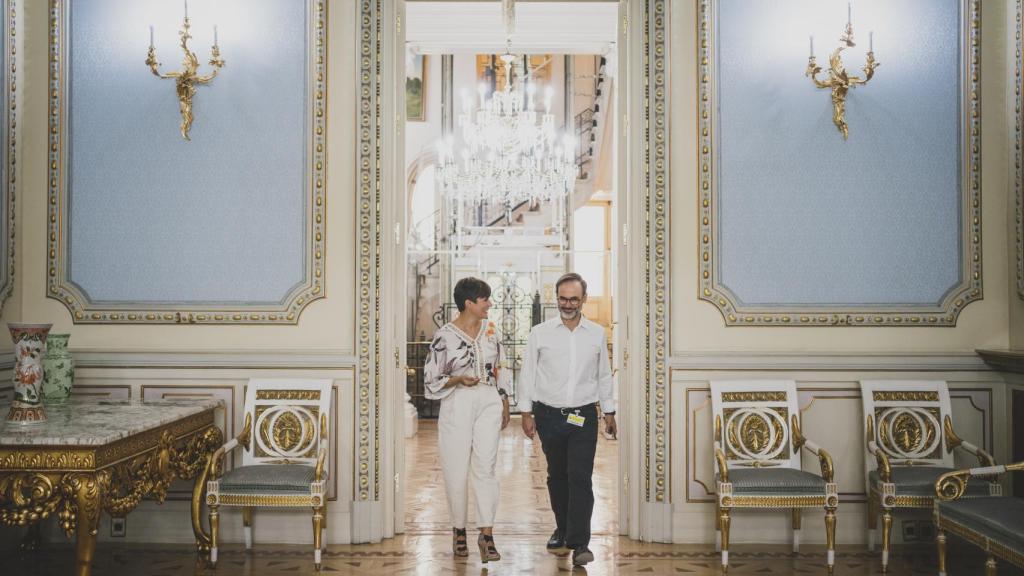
{"points": [[990, 566], [830, 536], [886, 536], [718, 527], [724, 519], [247, 526], [214, 530], [796, 529], [940, 543], [872, 517], [318, 521]]}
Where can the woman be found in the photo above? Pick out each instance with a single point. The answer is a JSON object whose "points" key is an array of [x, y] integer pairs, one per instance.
{"points": [[463, 372]]}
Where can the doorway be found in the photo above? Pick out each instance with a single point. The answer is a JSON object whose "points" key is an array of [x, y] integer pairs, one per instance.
{"points": [[519, 248]]}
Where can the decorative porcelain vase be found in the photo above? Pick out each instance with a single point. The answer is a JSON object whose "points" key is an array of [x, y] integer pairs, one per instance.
{"points": [[29, 347], [58, 368]]}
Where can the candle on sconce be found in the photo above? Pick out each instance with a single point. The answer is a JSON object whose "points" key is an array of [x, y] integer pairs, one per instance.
{"points": [[215, 35], [150, 35], [849, 13], [812, 46], [186, 9], [871, 41]]}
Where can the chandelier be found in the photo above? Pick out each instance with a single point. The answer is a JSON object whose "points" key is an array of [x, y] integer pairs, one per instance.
{"points": [[508, 152]]}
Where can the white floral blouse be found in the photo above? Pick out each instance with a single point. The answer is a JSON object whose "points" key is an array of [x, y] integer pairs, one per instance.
{"points": [[454, 353]]}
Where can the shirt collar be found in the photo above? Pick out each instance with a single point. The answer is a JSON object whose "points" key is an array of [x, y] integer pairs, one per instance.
{"points": [[585, 323]]}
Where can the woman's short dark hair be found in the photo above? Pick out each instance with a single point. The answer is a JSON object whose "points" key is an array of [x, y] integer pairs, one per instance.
{"points": [[470, 289]]}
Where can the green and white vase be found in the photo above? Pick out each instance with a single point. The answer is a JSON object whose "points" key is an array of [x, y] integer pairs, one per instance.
{"points": [[29, 346], [58, 368]]}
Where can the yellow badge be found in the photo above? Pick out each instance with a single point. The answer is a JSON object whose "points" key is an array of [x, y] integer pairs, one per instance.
{"points": [[576, 420]]}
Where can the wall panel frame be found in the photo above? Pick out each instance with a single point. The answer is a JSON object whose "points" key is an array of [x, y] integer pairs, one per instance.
{"points": [[283, 310], [9, 141], [1018, 162], [941, 313]]}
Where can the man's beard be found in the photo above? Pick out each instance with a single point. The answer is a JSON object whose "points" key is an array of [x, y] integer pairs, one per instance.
{"points": [[569, 314]]}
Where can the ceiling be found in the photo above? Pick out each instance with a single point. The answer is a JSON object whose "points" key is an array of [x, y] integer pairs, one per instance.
{"points": [[458, 27]]}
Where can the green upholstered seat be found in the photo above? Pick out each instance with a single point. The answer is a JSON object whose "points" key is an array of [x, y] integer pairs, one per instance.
{"points": [[997, 518], [774, 481], [273, 478], [920, 481]]}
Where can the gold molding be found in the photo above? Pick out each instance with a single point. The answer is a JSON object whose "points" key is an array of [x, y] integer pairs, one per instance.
{"points": [[10, 31], [1018, 166], [905, 396], [656, 175], [82, 310], [946, 312], [370, 242]]}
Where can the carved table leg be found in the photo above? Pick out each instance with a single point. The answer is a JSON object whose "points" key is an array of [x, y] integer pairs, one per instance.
{"points": [[198, 497], [87, 493]]}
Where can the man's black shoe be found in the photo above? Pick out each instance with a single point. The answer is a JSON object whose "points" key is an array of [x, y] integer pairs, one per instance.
{"points": [[581, 556], [556, 541]]}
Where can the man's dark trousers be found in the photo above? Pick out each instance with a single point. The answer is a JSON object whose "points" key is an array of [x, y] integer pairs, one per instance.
{"points": [[569, 450]]}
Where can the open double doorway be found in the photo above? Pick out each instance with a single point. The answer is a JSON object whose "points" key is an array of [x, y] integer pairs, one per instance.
{"points": [[563, 58]]}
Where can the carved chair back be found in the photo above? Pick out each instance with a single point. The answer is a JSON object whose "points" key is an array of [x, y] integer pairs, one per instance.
{"points": [[910, 421], [753, 422], [288, 420]]}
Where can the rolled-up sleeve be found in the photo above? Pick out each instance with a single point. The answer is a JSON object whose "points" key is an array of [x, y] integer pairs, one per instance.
{"points": [[605, 385], [435, 371]]}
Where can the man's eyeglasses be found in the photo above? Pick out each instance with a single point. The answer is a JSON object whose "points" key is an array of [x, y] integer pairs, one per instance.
{"points": [[574, 300]]}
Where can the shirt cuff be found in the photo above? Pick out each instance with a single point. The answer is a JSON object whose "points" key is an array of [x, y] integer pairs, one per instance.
{"points": [[608, 405]]}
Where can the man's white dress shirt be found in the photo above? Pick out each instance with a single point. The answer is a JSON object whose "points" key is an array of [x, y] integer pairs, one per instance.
{"points": [[566, 368]]}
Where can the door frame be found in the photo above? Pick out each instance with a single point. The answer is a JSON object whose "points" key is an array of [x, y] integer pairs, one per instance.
{"points": [[642, 250]]}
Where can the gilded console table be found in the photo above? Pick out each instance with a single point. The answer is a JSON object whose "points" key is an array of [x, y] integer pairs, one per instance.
{"points": [[103, 455]]}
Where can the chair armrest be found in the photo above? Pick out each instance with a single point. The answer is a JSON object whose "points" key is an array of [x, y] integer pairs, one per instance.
{"points": [[882, 461], [824, 458], [828, 471], [321, 459], [954, 441], [723, 467], [952, 485], [241, 440]]}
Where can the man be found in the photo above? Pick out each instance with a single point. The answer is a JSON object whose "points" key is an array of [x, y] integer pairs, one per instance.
{"points": [[565, 373]]}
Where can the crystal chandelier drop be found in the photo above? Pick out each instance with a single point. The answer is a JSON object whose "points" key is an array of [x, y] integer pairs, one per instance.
{"points": [[507, 151]]}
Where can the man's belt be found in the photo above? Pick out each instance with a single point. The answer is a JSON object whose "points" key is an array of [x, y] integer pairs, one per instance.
{"points": [[566, 411]]}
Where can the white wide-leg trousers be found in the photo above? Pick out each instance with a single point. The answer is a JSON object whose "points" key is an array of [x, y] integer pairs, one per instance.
{"points": [[469, 427]]}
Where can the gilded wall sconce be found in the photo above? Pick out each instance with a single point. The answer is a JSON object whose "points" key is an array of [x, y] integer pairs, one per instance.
{"points": [[187, 78], [839, 82]]}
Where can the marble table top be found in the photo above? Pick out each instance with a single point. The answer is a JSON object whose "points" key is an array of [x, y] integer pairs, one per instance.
{"points": [[92, 422]]}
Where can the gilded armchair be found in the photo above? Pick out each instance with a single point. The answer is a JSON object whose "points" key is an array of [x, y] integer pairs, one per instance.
{"points": [[758, 460], [994, 524], [284, 459], [909, 443]]}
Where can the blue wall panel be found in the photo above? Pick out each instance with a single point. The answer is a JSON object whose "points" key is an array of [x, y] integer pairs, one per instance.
{"points": [[806, 218], [157, 219]]}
